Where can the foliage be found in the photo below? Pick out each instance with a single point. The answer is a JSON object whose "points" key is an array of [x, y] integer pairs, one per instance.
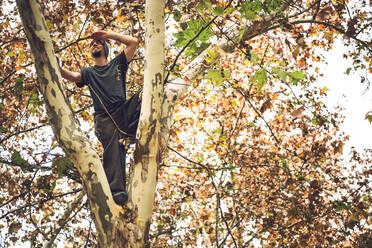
{"points": [[262, 163]]}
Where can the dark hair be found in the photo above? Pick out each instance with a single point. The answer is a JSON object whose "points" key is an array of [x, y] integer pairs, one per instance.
{"points": [[104, 44]]}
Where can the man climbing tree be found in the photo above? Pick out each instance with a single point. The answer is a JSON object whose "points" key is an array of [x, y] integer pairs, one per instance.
{"points": [[115, 118], [250, 152]]}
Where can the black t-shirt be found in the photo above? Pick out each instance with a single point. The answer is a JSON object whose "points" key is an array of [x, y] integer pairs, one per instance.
{"points": [[108, 82]]}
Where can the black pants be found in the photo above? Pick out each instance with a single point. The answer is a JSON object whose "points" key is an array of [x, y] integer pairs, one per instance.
{"points": [[126, 116]]}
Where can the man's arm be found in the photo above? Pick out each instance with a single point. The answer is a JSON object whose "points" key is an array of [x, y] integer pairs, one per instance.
{"points": [[69, 75], [130, 42]]}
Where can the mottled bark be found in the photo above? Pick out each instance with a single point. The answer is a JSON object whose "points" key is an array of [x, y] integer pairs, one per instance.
{"points": [[147, 155], [66, 130]]}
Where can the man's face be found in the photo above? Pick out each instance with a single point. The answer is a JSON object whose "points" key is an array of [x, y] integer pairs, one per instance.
{"points": [[96, 48]]}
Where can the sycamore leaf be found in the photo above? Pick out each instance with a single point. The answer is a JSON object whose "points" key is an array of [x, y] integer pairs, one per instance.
{"points": [[61, 165], [249, 10], [296, 76], [254, 58], [280, 73], [211, 56], [218, 76], [218, 10], [17, 159], [204, 4], [369, 116], [260, 78], [18, 87], [14, 227], [3, 129], [176, 15]]}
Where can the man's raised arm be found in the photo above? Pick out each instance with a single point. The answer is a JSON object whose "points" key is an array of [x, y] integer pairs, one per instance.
{"points": [[130, 42], [69, 75]]}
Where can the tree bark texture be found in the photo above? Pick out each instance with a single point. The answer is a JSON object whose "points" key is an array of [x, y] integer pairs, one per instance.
{"points": [[147, 154], [66, 130]]}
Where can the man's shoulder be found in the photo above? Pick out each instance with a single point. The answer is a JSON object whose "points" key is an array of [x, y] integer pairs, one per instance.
{"points": [[120, 58]]}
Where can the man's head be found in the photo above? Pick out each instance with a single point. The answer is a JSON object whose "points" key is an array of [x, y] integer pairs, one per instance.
{"points": [[98, 47]]}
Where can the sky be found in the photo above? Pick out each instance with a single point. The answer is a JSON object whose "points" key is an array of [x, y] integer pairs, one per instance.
{"points": [[350, 93]]}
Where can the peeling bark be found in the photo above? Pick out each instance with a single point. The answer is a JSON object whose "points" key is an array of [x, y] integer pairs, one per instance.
{"points": [[66, 129], [147, 154]]}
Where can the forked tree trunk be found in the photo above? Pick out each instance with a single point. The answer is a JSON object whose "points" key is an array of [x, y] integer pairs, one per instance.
{"points": [[147, 153], [114, 228]]}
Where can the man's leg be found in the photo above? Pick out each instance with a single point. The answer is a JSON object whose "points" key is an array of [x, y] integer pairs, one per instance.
{"points": [[113, 157]]}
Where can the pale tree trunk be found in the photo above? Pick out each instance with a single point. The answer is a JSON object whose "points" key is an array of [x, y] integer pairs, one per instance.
{"points": [[74, 143], [147, 153]]}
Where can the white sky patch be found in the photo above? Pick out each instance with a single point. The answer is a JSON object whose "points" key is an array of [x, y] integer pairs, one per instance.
{"points": [[348, 92]]}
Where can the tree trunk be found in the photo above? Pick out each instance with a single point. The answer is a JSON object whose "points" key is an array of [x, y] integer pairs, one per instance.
{"points": [[66, 130], [147, 154]]}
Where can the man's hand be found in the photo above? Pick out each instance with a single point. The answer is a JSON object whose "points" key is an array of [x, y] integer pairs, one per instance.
{"points": [[100, 35]]}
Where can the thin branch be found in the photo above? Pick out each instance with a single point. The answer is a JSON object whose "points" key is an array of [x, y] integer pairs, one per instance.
{"points": [[200, 225], [331, 25], [64, 220], [20, 132], [89, 231], [258, 113], [7, 77], [190, 41], [33, 221], [28, 167], [39, 202]]}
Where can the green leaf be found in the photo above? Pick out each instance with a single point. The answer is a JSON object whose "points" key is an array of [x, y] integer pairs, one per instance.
{"points": [[218, 76], [204, 4], [280, 73], [318, 120], [3, 129], [189, 32], [18, 87], [217, 131], [218, 10], [314, 120], [299, 177], [10, 54], [249, 10], [211, 56], [369, 117], [14, 227], [348, 70], [272, 4], [283, 63], [17, 159], [241, 33], [62, 164], [260, 78], [296, 76], [285, 164], [254, 58], [177, 15], [251, 124]]}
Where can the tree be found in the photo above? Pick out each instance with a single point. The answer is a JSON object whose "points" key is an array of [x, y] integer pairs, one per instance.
{"points": [[251, 155]]}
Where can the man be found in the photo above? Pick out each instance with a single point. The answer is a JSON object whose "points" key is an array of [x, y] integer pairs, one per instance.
{"points": [[115, 117]]}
